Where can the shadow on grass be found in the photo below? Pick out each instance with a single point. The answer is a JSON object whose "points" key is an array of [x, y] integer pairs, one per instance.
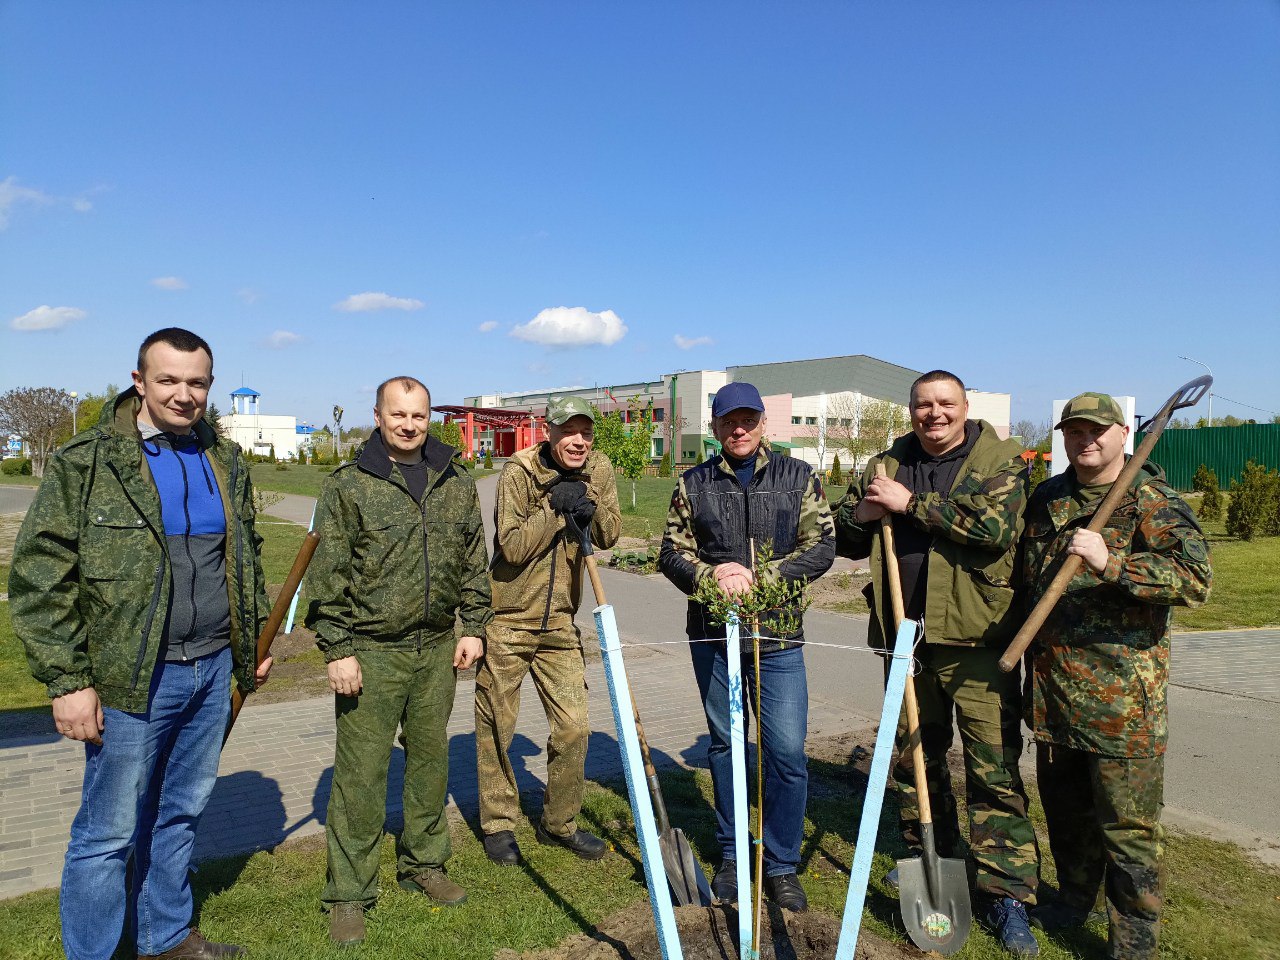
{"points": [[27, 726]]}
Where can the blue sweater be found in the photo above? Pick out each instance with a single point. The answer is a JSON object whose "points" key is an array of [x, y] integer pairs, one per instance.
{"points": [[198, 621]]}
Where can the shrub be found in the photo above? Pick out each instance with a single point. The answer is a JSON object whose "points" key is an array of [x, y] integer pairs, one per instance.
{"points": [[1211, 499], [664, 465], [488, 459], [1039, 472], [1255, 503], [836, 475], [16, 467]]}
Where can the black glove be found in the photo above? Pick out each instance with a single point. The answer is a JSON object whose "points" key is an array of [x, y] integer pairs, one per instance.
{"points": [[583, 511], [566, 495]]}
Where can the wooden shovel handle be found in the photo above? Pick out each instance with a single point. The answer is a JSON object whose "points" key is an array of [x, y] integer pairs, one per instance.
{"points": [[1187, 395], [909, 701], [278, 612]]}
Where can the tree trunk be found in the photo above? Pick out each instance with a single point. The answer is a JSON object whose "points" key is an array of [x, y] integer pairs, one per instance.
{"points": [[633, 494]]}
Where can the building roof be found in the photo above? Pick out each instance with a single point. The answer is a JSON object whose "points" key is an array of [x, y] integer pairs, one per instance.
{"points": [[245, 392]]}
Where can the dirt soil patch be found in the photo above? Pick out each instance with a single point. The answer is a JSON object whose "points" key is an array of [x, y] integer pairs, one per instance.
{"points": [[841, 590], [711, 933]]}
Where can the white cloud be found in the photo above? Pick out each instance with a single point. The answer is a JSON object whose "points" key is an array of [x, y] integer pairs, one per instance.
{"points": [[283, 338], [11, 195], [169, 283], [688, 343], [248, 294], [365, 302], [572, 327], [47, 318], [489, 326]]}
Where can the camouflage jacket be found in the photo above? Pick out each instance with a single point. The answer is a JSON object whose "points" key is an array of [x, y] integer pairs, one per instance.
{"points": [[712, 520], [390, 573], [1100, 664], [975, 527], [91, 583], [537, 563]]}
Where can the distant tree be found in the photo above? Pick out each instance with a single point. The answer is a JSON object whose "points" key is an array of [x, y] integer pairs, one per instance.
{"points": [[858, 427], [1255, 503], [627, 445], [39, 415], [488, 458], [449, 433], [664, 465], [1033, 432], [836, 475], [1211, 499], [1039, 472], [214, 416]]}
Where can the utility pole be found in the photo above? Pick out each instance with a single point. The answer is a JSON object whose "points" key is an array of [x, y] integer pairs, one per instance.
{"points": [[337, 429]]}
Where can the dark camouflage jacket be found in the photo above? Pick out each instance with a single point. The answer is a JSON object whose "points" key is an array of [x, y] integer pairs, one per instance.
{"points": [[975, 527], [537, 564], [712, 520], [90, 585], [1100, 664], [390, 573]]}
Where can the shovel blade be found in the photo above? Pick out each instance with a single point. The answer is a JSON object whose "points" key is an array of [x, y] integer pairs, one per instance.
{"points": [[687, 881], [935, 919]]}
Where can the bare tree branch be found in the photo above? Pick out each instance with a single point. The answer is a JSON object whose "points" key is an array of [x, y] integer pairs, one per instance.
{"points": [[37, 415]]}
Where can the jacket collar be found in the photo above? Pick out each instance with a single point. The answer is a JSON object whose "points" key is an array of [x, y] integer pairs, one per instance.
{"points": [[762, 458], [119, 421], [375, 459], [1062, 509]]}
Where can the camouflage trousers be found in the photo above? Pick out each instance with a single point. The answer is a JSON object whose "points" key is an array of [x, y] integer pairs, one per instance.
{"points": [[965, 683], [412, 690], [555, 661], [1103, 815]]}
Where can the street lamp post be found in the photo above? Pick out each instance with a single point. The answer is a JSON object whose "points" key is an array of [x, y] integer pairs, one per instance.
{"points": [[1206, 366], [75, 402]]}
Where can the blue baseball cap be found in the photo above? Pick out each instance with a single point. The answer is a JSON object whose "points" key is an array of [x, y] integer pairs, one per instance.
{"points": [[736, 396]]}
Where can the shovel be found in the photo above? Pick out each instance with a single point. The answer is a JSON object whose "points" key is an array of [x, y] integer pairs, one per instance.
{"points": [[687, 881], [933, 892]]}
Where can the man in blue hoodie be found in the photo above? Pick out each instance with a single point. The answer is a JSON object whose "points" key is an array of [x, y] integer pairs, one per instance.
{"points": [[137, 591]]}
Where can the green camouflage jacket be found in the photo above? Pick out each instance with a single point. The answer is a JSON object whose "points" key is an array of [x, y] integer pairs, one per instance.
{"points": [[537, 565], [390, 573], [90, 584], [1100, 664], [969, 599]]}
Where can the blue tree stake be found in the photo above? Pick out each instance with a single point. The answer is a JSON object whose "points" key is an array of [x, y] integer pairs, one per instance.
{"points": [[293, 604], [655, 875], [738, 755], [877, 779]]}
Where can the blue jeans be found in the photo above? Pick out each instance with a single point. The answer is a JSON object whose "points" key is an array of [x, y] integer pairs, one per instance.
{"points": [[784, 696], [144, 789]]}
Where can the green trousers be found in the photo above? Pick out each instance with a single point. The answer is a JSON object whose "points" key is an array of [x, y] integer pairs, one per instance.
{"points": [[557, 670], [963, 688], [1103, 815], [412, 690]]}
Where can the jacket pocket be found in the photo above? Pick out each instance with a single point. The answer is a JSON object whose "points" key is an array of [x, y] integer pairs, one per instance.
{"points": [[116, 545]]}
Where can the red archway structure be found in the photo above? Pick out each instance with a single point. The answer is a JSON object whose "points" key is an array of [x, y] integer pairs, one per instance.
{"points": [[512, 429]]}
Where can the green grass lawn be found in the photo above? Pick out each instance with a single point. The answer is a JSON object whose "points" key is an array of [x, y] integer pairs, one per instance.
{"points": [[1218, 903], [18, 481], [1246, 590], [648, 519]]}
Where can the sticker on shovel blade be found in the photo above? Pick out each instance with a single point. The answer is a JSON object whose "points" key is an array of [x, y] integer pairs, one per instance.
{"points": [[937, 926]]}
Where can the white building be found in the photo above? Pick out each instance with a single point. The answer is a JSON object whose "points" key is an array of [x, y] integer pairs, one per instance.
{"points": [[810, 405], [260, 433]]}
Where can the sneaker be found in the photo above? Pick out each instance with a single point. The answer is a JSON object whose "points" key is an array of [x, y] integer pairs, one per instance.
{"points": [[346, 924], [1057, 915], [786, 892], [580, 843], [725, 885], [891, 878], [435, 883], [502, 849], [1007, 920]]}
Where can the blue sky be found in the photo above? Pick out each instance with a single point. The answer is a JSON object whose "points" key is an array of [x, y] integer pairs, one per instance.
{"points": [[1044, 197]]}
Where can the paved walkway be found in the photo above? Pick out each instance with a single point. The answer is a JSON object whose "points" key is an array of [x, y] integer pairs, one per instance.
{"points": [[274, 779]]}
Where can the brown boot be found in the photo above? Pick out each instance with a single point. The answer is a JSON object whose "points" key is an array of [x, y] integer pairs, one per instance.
{"points": [[436, 885], [196, 947], [346, 924]]}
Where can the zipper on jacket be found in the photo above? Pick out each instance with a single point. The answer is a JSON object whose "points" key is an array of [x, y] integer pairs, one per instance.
{"points": [[186, 540], [239, 541]]}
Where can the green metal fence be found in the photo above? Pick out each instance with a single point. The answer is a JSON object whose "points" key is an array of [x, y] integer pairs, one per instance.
{"points": [[1224, 450]]}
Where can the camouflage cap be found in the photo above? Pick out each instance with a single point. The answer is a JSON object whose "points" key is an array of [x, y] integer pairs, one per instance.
{"points": [[560, 409], [1095, 407]]}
